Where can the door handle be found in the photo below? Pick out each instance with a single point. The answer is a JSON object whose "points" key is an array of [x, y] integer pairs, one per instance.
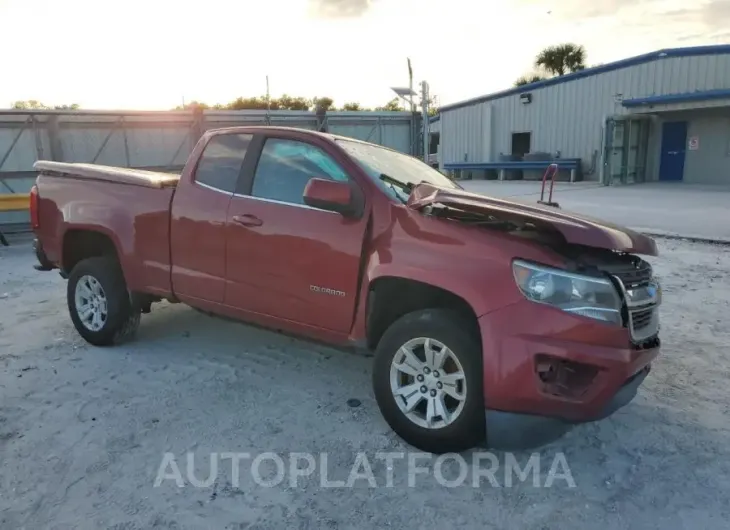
{"points": [[247, 220]]}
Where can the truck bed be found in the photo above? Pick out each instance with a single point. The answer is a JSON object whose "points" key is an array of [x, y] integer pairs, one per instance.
{"points": [[119, 175], [130, 207]]}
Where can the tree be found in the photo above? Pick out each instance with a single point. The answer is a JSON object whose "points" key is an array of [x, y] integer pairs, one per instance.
{"points": [[192, 105], [29, 104], [291, 103], [255, 103], [433, 108], [323, 103], [34, 104], [529, 78], [394, 105], [352, 106], [562, 58]]}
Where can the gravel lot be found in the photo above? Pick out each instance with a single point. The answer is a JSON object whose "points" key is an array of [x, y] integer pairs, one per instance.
{"points": [[83, 430]]}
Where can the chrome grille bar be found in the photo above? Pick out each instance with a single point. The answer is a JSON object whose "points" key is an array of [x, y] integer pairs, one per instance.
{"points": [[642, 304]]}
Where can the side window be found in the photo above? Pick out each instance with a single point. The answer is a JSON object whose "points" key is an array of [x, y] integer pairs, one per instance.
{"points": [[221, 161], [286, 166]]}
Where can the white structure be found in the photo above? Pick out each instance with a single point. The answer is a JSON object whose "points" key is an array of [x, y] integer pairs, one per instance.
{"points": [[660, 116]]}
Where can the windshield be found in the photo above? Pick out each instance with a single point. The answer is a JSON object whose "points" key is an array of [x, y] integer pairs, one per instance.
{"points": [[376, 161]]}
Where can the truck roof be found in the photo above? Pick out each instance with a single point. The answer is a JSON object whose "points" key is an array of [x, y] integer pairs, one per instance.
{"points": [[263, 129]]}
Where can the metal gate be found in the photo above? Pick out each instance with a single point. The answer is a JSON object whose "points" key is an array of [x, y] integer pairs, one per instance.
{"points": [[625, 150]]}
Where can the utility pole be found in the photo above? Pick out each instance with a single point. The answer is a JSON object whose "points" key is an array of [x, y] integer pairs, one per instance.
{"points": [[414, 128], [268, 102], [426, 128]]}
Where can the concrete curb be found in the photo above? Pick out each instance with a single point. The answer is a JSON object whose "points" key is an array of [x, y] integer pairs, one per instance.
{"points": [[683, 237]]}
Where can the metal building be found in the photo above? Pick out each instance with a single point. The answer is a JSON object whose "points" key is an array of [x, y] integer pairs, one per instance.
{"points": [[659, 116]]}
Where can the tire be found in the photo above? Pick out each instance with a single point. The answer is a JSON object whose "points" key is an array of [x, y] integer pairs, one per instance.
{"points": [[121, 320], [448, 329]]}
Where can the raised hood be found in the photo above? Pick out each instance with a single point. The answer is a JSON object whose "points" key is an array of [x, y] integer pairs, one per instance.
{"points": [[575, 228]]}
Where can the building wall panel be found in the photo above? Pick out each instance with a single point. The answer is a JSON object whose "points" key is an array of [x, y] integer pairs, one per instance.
{"points": [[569, 117]]}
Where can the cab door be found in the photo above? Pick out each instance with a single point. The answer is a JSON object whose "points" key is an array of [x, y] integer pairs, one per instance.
{"points": [[198, 219], [286, 259]]}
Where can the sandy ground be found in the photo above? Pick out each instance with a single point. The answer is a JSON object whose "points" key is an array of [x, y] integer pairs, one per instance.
{"points": [[650, 207], [83, 430]]}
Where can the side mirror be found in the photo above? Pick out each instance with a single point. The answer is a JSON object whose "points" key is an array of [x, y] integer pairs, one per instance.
{"points": [[330, 195]]}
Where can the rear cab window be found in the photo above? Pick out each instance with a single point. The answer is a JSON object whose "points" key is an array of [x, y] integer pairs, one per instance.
{"points": [[286, 166], [220, 164]]}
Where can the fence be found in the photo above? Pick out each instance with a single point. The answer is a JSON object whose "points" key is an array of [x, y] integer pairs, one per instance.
{"points": [[160, 141]]}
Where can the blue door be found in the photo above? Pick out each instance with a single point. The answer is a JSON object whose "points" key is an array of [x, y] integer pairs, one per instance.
{"points": [[674, 145]]}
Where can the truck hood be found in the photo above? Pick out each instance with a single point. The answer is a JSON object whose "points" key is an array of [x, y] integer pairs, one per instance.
{"points": [[575, 228]]}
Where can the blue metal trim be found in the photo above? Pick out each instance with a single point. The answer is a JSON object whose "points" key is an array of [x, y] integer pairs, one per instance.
{"points": [[631, 61], [434, 118], [705, 95], [562, 164]]}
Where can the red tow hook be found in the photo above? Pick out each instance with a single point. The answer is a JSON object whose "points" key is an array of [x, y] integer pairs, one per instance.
{"points": [[551, 170]]}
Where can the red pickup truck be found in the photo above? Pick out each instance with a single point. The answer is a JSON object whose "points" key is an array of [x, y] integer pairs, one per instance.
{"points": [[489, 319]]}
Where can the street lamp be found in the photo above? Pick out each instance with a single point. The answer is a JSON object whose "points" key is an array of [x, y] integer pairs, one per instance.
{"points": [[406, 94]]}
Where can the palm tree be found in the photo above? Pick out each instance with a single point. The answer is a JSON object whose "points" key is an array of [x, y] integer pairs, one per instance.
{"points": [[562, 58], [529, 78]]}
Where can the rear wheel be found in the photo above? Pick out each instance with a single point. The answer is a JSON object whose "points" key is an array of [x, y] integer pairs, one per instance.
{"points": [[99, 303], [428, 384]]}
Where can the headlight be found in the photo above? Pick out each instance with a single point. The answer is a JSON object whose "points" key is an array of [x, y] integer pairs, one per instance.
{"points": [[582, 295]]}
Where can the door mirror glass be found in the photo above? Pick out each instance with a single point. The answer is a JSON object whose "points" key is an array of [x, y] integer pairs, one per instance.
{"points": [[329, 195]]}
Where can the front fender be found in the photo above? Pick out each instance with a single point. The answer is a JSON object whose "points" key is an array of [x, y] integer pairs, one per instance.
{"points": [[484, 292]]}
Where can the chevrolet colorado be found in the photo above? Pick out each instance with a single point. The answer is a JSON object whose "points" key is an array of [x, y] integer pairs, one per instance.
{"points": [[491, 320]]}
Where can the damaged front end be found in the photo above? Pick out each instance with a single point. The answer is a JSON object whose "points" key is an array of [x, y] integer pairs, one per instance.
{"points": [[520, 217], [602, 278]]}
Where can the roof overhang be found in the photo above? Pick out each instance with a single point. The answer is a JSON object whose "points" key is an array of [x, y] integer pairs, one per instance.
{"points": [[706, 99], [693, 51]]}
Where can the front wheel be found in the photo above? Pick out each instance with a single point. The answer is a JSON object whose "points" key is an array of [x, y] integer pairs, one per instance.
{"points": [[99, 303], [428, 381]]}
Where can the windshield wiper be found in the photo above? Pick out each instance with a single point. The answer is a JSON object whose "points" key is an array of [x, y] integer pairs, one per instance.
{"points": [[406, 186], [396, 185]]}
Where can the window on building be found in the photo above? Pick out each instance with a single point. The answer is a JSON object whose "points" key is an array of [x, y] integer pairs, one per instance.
{"points": [[286, 166], [220, 164]]}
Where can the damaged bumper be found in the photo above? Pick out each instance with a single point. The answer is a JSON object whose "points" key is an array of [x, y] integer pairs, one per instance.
{"points": [[563, 371]]}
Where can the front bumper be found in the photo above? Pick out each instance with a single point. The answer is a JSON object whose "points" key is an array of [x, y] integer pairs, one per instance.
{"points": [[523, 411], [511, 430]]}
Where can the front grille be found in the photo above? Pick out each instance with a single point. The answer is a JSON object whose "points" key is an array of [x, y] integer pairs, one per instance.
{"points": [[642, 296], [644, 323], [631, 275], [641, 319]]}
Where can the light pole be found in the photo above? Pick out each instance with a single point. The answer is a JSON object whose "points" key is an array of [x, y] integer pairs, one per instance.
{"points": [[426, 123]]}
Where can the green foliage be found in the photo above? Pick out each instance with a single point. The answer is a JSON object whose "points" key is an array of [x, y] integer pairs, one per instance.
{"points": [[323, 103], [287, 102], [353, 106], [529, 78], [394, 105], [562, 58], [555, 60], [33, 104]]}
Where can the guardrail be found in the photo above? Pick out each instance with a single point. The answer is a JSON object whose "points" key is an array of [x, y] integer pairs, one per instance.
{"points": [[571, 164], [14, 202]]}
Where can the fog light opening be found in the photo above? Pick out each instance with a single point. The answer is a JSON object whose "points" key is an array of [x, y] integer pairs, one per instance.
{"points": [[560, 377]]}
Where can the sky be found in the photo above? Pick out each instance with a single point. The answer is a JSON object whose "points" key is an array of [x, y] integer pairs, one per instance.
{"points": [[153, 54]]}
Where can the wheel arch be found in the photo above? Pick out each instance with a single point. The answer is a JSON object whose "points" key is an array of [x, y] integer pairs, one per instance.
{"points": [[390, 297], [82, 243]]}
